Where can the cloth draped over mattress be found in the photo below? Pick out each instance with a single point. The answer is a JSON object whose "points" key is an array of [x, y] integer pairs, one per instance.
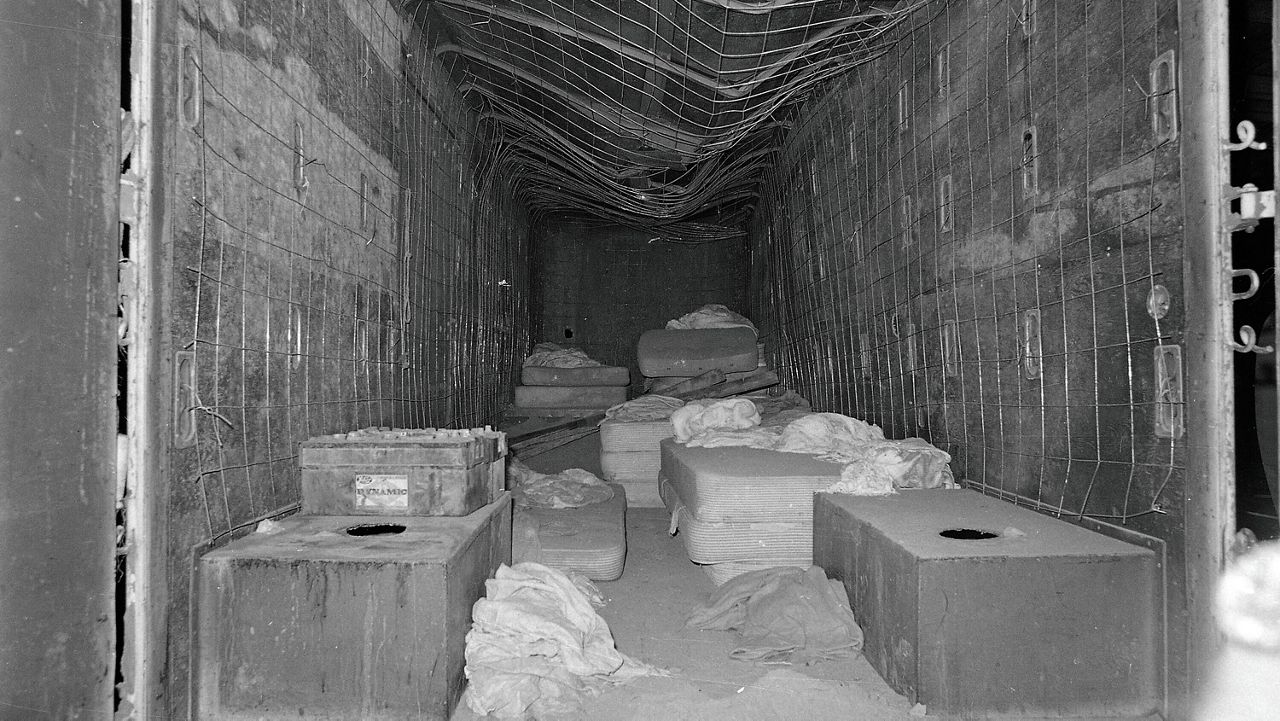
{"points": [[700, 417], [550, 355], [873, 465], [783, 613], [712, 315], [645, 408], [571, 488], [536, 646]]}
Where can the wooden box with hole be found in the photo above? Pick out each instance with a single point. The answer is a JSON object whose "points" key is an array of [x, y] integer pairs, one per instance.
{"points": [[402, 472], [344, 617], [977, 608]]}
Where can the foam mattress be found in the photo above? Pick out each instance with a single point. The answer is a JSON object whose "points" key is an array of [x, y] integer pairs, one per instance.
{"points": [[767, 542], [569, 397], [619, 436], [631, 465], [587, 376], [745, 485], [688, 353], [591, 540]]}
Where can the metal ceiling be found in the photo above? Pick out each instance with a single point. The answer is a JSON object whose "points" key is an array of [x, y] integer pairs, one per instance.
{"points": [[645, 112]]}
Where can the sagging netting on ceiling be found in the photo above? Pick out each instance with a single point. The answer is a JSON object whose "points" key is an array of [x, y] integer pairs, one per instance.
{"points": [[646, 112]]}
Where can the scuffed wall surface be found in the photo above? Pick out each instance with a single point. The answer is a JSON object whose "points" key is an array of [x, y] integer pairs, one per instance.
{"points": [[885, 299], [599, 286], [303, 242]]}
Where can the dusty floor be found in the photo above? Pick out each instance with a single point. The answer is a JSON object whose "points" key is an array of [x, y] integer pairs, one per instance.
{"points": [[646, 610]]}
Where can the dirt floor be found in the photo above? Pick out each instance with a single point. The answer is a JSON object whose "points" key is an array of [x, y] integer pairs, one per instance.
{"points": [[646, 610]]}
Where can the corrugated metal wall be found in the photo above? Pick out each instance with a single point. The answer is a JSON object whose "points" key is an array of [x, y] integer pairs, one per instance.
{"points": [[599, 286], [335, 257], [959, 243]]}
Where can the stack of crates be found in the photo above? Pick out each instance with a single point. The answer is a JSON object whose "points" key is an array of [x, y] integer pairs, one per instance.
{"points": [[359, 606]]}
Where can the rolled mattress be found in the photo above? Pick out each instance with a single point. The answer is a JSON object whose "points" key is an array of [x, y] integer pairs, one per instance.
{"points": [[591, 540], [745, 485], [586, 376], [687, 353]]}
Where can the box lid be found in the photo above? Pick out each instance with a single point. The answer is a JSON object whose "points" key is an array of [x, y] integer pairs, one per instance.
{"points": [[463, 447]]}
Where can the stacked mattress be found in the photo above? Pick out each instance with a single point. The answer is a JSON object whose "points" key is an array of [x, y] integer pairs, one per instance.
{"points": [[591, 539], [629, 455], [554, 391], [739, 509]]}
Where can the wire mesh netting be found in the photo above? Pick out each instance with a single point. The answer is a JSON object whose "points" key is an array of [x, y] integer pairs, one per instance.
{"points": [[961, 242], [654, 110], [344, 255]]}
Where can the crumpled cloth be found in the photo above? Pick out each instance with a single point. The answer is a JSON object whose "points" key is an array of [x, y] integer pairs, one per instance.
{"points": [[571, 488], [536, 646], [873, 465], [696, 418], [644, 408], [880, 468], [783, 613], [550, 355], [824, 433], [712, 315]]}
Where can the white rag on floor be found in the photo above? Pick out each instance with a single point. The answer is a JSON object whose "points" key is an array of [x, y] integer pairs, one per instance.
{"points": [[783, 613], [712, 315], [571, 488], [536, 646], [873, 465], [650, 407], [550, 355], [697, 418]]}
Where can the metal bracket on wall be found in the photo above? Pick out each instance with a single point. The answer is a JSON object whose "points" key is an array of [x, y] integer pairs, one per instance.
{"points": [[910, 340], [1169, 406], [1032, 365], [864, 352], [1163, 97], [184, 399], [950, 349], [189, 88]]}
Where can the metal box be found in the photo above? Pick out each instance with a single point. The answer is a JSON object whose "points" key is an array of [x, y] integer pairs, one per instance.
{"points": [[980, 609], [420, 472], [311, 621]]}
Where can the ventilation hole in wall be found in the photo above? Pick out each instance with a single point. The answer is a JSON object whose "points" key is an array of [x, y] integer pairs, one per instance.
{"points": [[968, 534], [568, 332], [376, 529]]}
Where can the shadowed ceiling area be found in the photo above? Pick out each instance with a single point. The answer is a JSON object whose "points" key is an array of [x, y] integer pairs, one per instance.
{"points": [[646, 112]]}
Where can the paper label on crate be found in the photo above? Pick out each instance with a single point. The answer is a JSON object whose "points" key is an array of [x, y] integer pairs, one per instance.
{"points": [[382, 491]]}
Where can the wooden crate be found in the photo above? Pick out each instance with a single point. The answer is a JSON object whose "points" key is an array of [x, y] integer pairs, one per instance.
{"points": [[312, 622], [421, 472], [1044, 619]]}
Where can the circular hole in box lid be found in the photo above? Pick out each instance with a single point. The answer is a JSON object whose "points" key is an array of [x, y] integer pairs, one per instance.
{"points": [[375, 529], [968, 534]]}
